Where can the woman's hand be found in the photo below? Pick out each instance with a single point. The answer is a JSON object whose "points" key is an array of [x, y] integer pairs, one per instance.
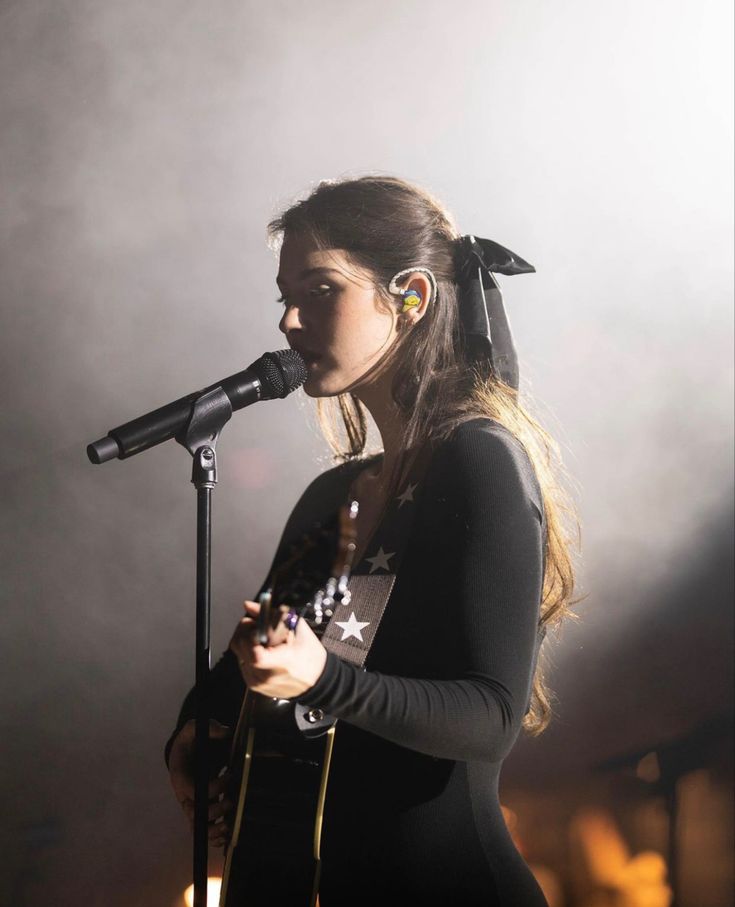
{"points": [[181, 773], [284, 670]]}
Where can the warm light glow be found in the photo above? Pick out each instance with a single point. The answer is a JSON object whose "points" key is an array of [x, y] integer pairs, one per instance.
{"points": [[213, 887], [636, 881]]}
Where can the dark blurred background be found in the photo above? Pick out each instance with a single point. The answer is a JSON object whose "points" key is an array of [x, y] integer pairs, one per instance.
{"points": [[143, 148]]}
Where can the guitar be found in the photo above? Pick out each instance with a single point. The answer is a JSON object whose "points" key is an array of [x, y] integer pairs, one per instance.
{"points": [[281, 752]]}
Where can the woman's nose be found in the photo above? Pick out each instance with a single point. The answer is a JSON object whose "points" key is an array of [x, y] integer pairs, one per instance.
{"points": [[290, 320]]}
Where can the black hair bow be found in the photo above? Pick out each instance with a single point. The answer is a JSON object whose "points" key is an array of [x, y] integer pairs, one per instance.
{"points": [[486, 328]]}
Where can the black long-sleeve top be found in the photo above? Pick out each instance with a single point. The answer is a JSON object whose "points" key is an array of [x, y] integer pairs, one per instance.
{"points": [[412, 812]]}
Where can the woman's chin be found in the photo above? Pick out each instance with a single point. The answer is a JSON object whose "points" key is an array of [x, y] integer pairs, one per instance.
{"points": [[316, 386], [322, 386]]}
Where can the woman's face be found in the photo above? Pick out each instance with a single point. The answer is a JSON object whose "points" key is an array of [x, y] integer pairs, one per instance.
{"points": [[333, 316]]}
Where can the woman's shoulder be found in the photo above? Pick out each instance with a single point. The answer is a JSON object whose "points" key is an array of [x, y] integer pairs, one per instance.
{"points": [[483, 455], [488, 438], [481, 426]]}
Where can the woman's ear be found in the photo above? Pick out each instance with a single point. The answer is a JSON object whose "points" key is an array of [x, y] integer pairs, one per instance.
{"points": [[417, 293]]}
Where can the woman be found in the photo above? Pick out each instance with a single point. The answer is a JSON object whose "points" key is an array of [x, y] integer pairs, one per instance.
{"points": [[370, 277]]}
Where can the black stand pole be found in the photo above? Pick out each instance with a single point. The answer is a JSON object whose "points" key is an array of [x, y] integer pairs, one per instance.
{"points": [[210, 413]]}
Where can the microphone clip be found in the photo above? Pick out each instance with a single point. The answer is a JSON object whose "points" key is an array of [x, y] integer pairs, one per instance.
{"points": [[209, 415]]}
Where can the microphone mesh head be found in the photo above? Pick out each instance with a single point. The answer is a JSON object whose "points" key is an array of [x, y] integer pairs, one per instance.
{"points": [[280, 373]]}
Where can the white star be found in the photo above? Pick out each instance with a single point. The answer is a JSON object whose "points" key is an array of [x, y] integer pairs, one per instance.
{"points": [[352, 627], [380, 561], [407, 496]]}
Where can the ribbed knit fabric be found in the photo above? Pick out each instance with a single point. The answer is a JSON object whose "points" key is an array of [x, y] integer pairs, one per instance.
{"points": [[412, 812]]}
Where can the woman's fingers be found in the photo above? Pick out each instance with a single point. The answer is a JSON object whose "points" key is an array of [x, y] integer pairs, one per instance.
{"points": [[218, 786], [217, 814], [219, 809], [219, 835], [243, 638], [181, 761]]}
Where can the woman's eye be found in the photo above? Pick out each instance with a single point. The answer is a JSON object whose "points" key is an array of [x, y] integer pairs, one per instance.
{"points": [[322, 290]]}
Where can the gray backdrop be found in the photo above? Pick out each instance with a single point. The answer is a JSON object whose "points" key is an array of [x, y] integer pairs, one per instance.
{"points": [[143, 148]]}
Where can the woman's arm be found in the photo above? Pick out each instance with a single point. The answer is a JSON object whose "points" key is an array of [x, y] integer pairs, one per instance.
{"points": [[477, 715]]}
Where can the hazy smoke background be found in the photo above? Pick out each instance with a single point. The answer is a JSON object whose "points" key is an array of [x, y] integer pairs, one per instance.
{"points": [[143, 148]]}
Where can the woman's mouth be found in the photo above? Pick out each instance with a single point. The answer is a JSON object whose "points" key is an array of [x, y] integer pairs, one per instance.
{"points": [[310, 357]]}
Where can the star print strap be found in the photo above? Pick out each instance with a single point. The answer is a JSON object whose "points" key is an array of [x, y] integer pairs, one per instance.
{"points": [[351, 630]]}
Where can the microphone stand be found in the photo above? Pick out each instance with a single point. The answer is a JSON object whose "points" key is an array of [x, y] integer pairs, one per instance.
{"points": [[210, 412], [203, 415]]}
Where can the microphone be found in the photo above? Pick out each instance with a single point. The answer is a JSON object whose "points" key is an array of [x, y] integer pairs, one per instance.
{"points": [[272, 376]]}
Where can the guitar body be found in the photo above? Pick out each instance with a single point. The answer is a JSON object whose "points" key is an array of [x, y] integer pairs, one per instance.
{"points": [[282, 775]]}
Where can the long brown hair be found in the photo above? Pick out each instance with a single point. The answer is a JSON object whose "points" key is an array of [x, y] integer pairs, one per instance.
{"points": [[386, 224]]}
